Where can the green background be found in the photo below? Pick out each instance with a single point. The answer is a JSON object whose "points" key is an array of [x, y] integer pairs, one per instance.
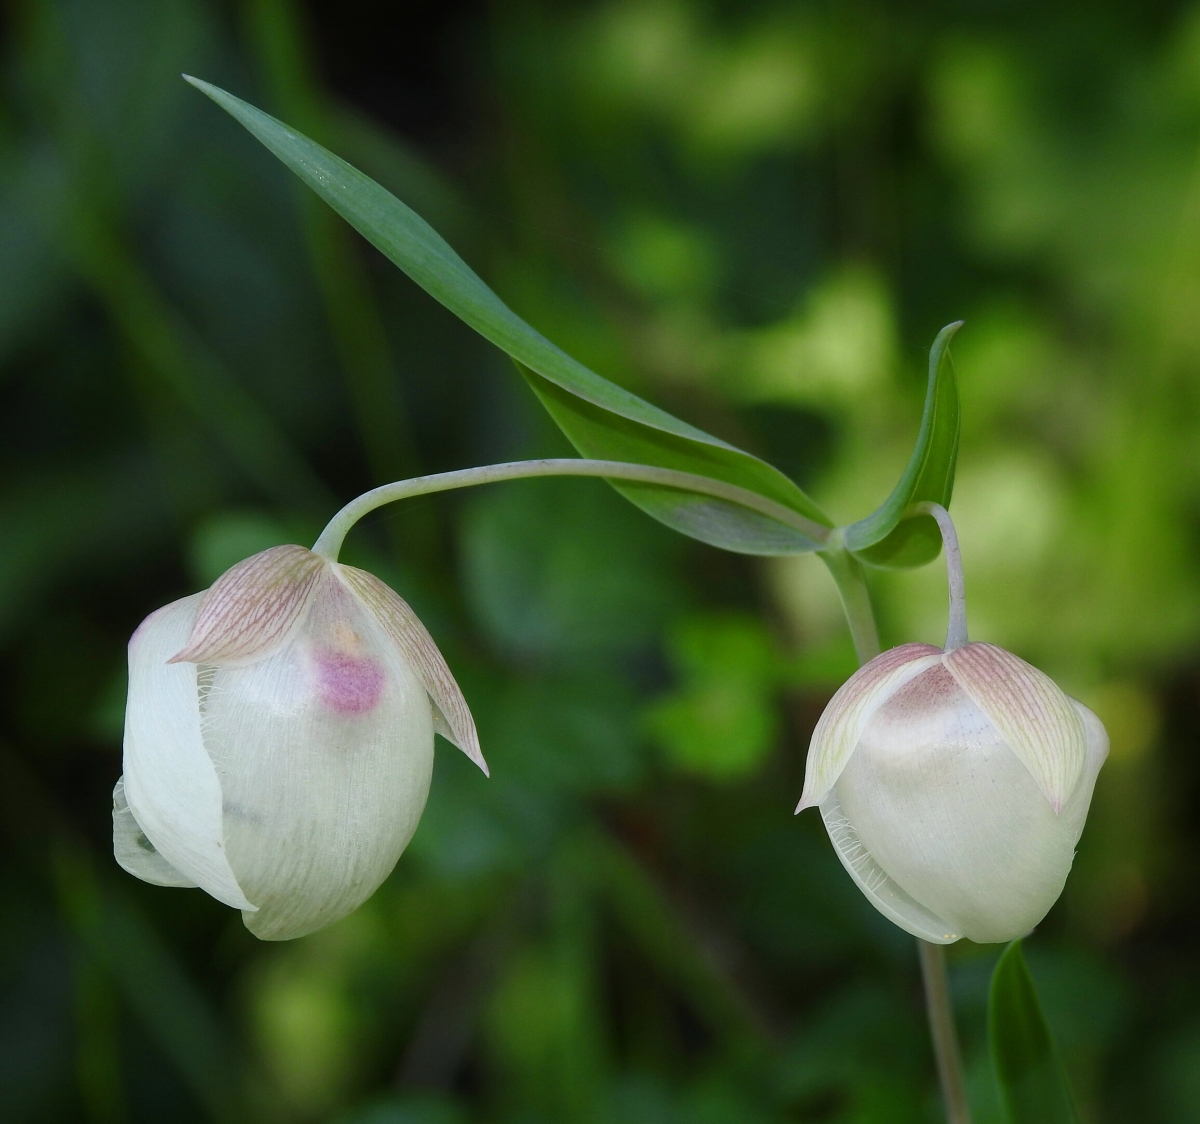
{"points": [[757, 215]]}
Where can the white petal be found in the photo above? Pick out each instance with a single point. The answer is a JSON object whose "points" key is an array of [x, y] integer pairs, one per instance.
{"points": [[881, 890], [442, 726], [254, 607], [953, 816], [133, 850], [1030, 711], [842, 722], [170, 782], [325, 752], [451, 715], [1075, 812]]}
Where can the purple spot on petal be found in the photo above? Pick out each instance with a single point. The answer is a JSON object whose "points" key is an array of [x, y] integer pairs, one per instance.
{"points": [[348, 684]]}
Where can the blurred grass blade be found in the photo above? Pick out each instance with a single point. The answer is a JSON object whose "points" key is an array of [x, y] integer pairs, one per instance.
{"points": [[182, 363], [124, 951], [84, 518], [351, 307], [643, 908], [885, 537], [97, 1045], [173, 1010], [1033, 1086], [599, 417], [153, 984], [391, 163]]}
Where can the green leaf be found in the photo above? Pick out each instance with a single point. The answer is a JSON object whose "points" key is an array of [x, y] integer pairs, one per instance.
{"points": [[1033, 1086], [887, 537], [601, 432], [600, 418]]}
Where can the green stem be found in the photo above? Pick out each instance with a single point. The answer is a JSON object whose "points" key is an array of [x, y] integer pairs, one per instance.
{"points": [[943, 1032], [330, 542], [847, 571], [956, 624], [851, 581]]}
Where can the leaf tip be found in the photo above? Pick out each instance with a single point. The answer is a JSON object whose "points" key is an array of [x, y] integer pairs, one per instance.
{"points": [[949, 330], [206, 88]]}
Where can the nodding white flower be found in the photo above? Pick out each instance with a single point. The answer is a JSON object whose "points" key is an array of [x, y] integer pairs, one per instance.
{"points": [[954, 786], [279, 740]]}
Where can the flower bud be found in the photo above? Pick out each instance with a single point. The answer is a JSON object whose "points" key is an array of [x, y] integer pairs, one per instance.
{"points": [[279, 740], [954, 786]]}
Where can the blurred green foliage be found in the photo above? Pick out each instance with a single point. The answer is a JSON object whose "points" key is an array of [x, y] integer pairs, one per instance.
{"points": [[757, 215]]}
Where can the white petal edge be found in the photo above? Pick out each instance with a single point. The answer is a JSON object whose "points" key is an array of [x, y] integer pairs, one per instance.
{"points": [[1032, 713], [451, 715], [133, 850], [441, 726], [1076, 809], [875, 883], [841, 725], [170, 781]]}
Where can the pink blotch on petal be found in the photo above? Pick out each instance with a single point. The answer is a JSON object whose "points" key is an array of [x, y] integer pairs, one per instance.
{"points": [[348, 684]]}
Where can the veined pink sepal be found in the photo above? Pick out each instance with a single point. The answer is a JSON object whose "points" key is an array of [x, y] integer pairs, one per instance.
{"points": [[253, 608], [1034, 716], [842, 723], [451, 715]]}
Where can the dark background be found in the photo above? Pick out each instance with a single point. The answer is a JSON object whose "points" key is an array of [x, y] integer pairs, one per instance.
{"points": [[757, 215]]}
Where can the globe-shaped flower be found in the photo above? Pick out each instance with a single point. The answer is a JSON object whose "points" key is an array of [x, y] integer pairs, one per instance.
{"points": [[954, 786], [279, 740]]}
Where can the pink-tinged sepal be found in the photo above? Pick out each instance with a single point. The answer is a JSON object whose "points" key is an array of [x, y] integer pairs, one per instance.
{"points": [[1037, 720], [254, 608], [848, 712], [451, 715]]}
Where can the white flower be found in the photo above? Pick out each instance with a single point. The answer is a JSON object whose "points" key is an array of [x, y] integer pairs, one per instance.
{"points": [[954, 786], [279, 740]]}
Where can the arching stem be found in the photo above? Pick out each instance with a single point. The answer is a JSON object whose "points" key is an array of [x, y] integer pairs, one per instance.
{"points": [[330, 542], [956, 625]]}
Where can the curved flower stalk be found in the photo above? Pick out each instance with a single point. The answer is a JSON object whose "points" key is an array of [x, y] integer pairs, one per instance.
{"points": [[279, 740], [954, 783]]}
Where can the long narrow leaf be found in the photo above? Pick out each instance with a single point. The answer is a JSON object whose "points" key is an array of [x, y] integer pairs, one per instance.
{"points": [[351, 309], [886, 537], [598, 433], [1033, 1086], [600, 418]]}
